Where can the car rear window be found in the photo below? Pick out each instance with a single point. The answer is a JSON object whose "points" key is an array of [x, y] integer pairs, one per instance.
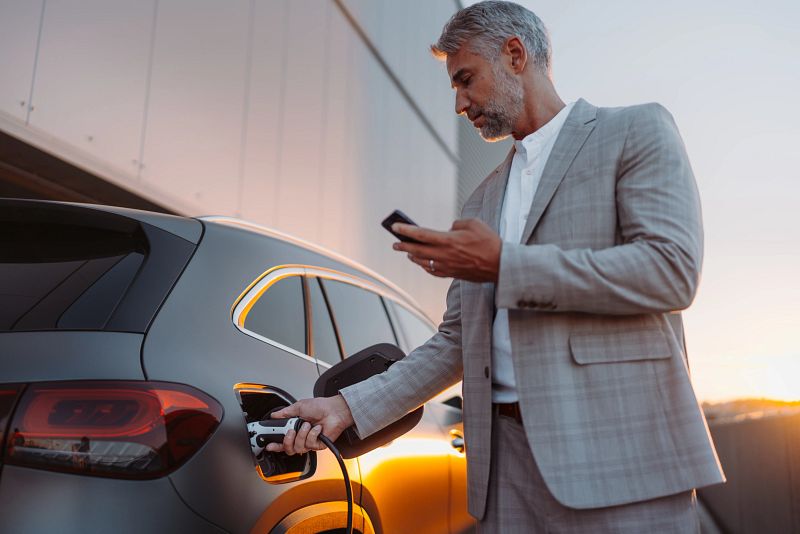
{"points": [[68, 268]]}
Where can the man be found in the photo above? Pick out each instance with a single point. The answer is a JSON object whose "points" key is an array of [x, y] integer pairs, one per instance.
{"points": [[569, 263]]}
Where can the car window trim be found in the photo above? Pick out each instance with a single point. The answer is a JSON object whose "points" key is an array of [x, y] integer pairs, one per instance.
{"points": [[307, 315], [331, 316], [242, 305], [399, 331], [250, 296], [395, 327]]}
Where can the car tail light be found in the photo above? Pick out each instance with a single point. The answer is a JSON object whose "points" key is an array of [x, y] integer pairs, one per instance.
{"points": [[8, 398], [110, 428]]}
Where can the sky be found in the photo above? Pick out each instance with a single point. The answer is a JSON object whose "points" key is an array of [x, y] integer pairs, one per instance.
{"points": [[729, 72]]}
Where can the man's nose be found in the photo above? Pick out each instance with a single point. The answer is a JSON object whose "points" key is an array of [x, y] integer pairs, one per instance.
{"points": [[462, 103]]}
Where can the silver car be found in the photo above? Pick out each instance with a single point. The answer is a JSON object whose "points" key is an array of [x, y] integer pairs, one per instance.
{"points": [[134, 349]]}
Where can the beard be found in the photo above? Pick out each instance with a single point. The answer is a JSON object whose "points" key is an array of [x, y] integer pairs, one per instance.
{"points": [[504, 109]]}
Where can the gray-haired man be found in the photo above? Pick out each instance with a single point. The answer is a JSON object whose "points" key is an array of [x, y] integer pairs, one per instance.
{"points": [[570, 262]]}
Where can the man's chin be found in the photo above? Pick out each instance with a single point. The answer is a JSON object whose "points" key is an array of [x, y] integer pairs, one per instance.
{"points": [[492, 136]]}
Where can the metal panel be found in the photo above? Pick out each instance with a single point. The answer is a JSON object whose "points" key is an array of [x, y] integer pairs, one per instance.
{"points": [[340, 159], [425, 76], [356, 150], [263, 143], [402, 32], [194, 117], [91, 77], [37, 356], [19, 31], [401, 168], [92, 505], [303, 114]]}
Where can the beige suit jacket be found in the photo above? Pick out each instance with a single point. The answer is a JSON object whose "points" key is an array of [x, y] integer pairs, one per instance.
{"points": [[612, 249]]}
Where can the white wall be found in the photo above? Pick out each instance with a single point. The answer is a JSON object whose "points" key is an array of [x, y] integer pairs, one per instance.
{"points": [[272, 110]]}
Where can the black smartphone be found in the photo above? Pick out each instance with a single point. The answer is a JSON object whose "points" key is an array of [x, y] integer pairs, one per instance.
{"points": [[398, 216]]}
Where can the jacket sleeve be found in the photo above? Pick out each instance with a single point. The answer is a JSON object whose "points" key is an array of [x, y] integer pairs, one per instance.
{"points": [[656, 266], [427, 370]]}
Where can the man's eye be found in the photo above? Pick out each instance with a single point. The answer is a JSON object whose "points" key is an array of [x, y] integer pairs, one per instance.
{"points": [[465, 81]]}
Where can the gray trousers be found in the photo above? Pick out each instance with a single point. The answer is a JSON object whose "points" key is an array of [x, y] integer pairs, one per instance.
{"points": [[519, 501]]}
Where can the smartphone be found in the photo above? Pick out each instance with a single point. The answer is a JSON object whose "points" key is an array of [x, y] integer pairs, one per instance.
{"points": [[398, 216]]}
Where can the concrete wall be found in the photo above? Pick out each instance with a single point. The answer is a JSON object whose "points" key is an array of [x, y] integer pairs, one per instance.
{"points": [[761, 459], [316, 117]]}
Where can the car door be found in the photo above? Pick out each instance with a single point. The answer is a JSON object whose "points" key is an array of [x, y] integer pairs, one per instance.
{"points": [[446, 407], [280, 314], [406, 481]]}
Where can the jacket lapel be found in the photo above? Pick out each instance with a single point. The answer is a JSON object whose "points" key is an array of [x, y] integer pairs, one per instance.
{"points": [[576, 129], [495, 192]]}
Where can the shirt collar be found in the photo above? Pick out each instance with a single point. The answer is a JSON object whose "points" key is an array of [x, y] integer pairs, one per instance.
{"points": [[532, 145]]}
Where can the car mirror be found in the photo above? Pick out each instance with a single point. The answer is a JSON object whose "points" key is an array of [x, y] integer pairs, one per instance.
{"points": [[360, 366]]}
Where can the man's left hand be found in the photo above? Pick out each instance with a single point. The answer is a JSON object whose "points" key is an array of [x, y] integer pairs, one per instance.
{"points": [[469, 251]]}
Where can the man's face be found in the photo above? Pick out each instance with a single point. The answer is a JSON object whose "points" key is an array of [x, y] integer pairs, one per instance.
{"points": [[486, 91]]}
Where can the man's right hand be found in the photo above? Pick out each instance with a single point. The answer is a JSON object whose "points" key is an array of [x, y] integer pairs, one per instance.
{"points": [[323, 415]]}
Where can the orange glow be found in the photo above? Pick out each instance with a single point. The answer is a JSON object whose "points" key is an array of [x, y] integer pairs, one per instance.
{"points": [[405, 450], [413, 473], [280, 477], [171, 400], [243, 316]]}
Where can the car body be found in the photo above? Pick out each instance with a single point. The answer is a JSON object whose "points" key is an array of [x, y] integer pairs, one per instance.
{"points": [[211, 323]]}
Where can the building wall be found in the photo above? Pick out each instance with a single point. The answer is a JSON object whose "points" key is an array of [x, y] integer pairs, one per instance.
{"points": [[315, 117]]}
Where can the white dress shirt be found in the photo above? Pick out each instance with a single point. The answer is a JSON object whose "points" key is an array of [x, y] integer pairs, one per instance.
{"points": [[530, 156]]}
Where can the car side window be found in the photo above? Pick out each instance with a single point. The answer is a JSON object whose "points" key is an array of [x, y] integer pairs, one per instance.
{"points": [[279, 314], [360, 316], [415, 330], [324, 343]]}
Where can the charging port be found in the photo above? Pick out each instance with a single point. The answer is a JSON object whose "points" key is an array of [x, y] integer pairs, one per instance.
{"points": [[258, 402]]}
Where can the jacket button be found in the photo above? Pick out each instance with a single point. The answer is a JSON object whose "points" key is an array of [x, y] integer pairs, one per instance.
{"points": [[486, 371]]}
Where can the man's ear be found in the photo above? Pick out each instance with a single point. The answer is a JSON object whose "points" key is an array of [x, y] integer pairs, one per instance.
{"points": [[517, 55]]}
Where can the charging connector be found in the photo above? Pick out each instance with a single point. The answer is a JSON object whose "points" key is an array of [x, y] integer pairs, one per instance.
{"points": [[275, 430], [270, 431]]}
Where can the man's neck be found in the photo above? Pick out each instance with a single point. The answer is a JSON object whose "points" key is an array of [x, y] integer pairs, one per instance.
{"points": [[538, 111]]}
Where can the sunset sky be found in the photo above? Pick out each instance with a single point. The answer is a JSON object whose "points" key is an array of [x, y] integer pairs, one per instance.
{"points": [[729, 72]]}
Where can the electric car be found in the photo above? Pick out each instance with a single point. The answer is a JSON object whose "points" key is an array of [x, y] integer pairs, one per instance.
{"points": [[135, 348]]}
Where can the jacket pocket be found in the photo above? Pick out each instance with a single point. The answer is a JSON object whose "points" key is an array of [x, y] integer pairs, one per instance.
{"points": [[622, 346]]}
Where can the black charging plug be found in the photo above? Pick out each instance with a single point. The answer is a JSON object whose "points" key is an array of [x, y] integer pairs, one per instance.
{"points": [[274, 431]]}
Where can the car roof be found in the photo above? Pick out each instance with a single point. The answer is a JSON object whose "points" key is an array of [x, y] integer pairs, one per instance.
{"points": [[189, 229]]}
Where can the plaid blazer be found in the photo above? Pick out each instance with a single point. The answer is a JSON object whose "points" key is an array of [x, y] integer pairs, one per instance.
{"points": [[612, 248]]}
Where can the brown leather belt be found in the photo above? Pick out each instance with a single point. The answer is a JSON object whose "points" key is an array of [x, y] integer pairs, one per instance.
{"points": [[509, 410]]}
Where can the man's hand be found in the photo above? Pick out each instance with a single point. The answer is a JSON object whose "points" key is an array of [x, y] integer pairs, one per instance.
{"points": [[326, 415], [469, 251]]}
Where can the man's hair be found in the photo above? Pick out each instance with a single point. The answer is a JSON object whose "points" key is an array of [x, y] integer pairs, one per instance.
{"points": [[485, 26]]}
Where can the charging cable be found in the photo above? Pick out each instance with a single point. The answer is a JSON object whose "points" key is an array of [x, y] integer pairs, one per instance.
{"points": [[274, 430]]}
